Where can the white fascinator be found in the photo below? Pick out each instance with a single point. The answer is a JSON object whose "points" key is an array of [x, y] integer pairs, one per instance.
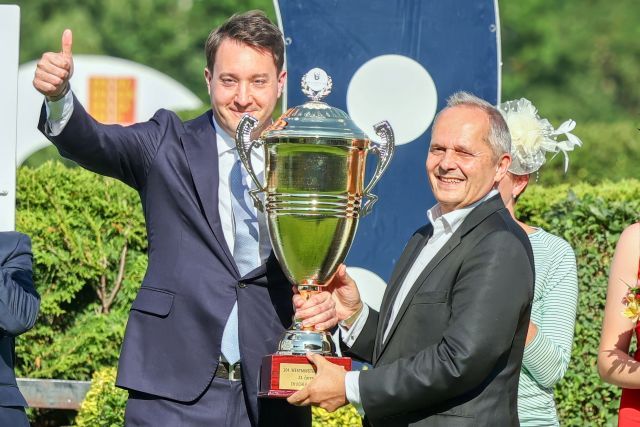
{"points": [[532, 137]]}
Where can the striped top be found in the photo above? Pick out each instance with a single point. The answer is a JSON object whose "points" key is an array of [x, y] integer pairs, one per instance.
{"points": [[554, 313]]}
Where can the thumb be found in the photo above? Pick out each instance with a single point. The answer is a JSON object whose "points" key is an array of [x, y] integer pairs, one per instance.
{"points": [[67, 41], [316, 359]]}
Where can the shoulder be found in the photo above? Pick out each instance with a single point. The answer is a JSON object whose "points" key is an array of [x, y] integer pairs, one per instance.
{"points": [[631, 234], [10, 240], [544, 242], [14, 245], [501, 229], [163, 116], [628, 246]]}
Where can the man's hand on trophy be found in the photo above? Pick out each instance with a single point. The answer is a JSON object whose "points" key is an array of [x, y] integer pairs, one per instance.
{"points": [[54, 70], [345, 293], [326, 390], [318, 311]]}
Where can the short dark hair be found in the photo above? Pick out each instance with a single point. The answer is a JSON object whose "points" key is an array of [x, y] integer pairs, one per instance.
{"points": [[252, 28]]}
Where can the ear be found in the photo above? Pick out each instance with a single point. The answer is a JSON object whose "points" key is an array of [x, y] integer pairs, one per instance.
{"points": [[281, 79], [520, 183], [501, 168], [207, 78]]}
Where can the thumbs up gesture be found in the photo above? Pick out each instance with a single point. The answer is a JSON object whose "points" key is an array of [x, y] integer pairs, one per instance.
{"points": [[55, 69]]}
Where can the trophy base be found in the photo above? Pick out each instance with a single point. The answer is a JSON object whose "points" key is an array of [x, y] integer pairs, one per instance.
{"points": [[282, 375]]}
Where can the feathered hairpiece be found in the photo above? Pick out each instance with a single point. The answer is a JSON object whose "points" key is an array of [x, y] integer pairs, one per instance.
{"points": [[532, 137]]}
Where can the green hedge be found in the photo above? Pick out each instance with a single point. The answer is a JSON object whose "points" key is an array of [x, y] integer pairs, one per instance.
{"points": [[104, 404], [591, 219], [85, 227]]}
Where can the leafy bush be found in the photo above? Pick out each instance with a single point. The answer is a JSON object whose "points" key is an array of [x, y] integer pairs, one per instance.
{"points": [[90, 256], [591, 220], [104, 404]]}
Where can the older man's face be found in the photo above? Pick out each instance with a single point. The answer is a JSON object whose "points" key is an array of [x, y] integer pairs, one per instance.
{"points": [[462, 168]]}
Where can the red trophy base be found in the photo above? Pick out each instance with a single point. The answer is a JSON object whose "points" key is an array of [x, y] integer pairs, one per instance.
{"points": [[282, 375]]}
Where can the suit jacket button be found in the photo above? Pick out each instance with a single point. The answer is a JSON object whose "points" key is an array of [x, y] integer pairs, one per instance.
{"points": [[242, 285]]}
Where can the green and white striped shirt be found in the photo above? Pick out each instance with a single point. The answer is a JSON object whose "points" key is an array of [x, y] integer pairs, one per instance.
{"points": [[554, 313]]}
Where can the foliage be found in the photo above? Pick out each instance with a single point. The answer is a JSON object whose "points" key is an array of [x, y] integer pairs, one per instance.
{"points": [[104, 404], [346, 416], [167, 35], [573, 58], [90, 245], [591, 220], [610, 151]]}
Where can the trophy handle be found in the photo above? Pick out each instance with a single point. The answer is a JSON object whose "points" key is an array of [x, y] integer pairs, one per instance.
{"points": [[384, 151], [244, 145]]}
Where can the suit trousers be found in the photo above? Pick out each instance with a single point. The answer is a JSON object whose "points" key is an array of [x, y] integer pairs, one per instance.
{"points": [[13, 416], [222, 405]]}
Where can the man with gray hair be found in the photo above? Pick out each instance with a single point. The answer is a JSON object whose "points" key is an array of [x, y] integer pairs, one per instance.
{"points": [[447, 345]]}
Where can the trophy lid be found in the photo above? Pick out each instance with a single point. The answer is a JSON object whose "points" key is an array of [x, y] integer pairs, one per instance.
{"points": [[315, 119]]}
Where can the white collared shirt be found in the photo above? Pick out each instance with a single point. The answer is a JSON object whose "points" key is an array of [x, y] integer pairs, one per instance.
{"points": [[227, 156], [444, 225], [59, 112]]}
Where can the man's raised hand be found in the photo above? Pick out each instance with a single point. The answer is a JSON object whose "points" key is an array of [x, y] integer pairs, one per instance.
{"points": [[55, 69]]}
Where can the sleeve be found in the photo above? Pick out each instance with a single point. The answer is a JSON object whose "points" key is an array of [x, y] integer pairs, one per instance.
{"points": [[490, 303], [122, 152], [58, 114], [547, 355], [19, 301], [348, 336], [362, 347], [352, 390]]}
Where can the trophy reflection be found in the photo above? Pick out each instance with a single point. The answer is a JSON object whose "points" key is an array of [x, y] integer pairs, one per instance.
{"points": [[314, 194]]}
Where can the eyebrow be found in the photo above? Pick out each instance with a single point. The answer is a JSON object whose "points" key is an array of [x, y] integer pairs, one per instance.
{"points": [[254, 76]]}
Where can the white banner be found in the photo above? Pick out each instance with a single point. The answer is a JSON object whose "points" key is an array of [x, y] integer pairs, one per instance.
{"points": [[9, 52]]}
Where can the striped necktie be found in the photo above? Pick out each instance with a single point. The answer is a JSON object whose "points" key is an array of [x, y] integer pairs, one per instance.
{"points": [[245, 251]]}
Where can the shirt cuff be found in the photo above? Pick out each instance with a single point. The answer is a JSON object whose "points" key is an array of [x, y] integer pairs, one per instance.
{"points": [[350, 335], [352, 388], [58, 114]]}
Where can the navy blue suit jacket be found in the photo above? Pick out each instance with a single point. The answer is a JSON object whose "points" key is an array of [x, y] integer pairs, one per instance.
{"points": [[172, 341], [19, 304]]}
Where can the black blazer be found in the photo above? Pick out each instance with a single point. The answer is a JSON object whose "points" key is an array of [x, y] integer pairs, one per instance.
{"points": [[454, 351], [172, 341], [19, 304]]}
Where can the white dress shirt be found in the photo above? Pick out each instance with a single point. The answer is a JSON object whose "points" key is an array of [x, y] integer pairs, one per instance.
{"points": [[59, 112], [444, 225]]}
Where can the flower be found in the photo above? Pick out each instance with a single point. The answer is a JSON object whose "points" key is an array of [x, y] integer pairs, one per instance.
{"points": [[632, 302], [532, 137]]}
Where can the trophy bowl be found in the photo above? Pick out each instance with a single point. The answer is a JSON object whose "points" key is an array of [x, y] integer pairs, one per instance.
{"points": [[313, 197]]}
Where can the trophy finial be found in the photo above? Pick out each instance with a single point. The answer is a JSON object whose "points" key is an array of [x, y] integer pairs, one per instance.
{"points": [[316, 84]]}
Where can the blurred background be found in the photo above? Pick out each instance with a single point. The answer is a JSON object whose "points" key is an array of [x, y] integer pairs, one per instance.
{"points": [[576, 59]]}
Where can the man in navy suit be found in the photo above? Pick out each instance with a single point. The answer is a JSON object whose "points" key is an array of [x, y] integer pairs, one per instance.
{"points": [[214, 300], [19, 304]]}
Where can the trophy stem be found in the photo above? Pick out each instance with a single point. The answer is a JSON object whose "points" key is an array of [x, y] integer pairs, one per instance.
{"points": [[306, 290]]}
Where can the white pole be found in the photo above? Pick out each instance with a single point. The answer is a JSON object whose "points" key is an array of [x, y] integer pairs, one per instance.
{"points": [[9, 52]]}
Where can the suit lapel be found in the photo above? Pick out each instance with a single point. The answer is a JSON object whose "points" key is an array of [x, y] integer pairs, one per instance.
{"points": [[411, 252], [200, 147], [477, 215]]}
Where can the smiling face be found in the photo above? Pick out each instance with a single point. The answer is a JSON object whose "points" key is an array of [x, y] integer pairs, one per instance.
{"points": [[243, 80], [461, 166]]}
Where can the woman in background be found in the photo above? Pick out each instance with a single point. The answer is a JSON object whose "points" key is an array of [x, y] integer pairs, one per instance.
{"points": [[621, 313], [550, 337]]}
